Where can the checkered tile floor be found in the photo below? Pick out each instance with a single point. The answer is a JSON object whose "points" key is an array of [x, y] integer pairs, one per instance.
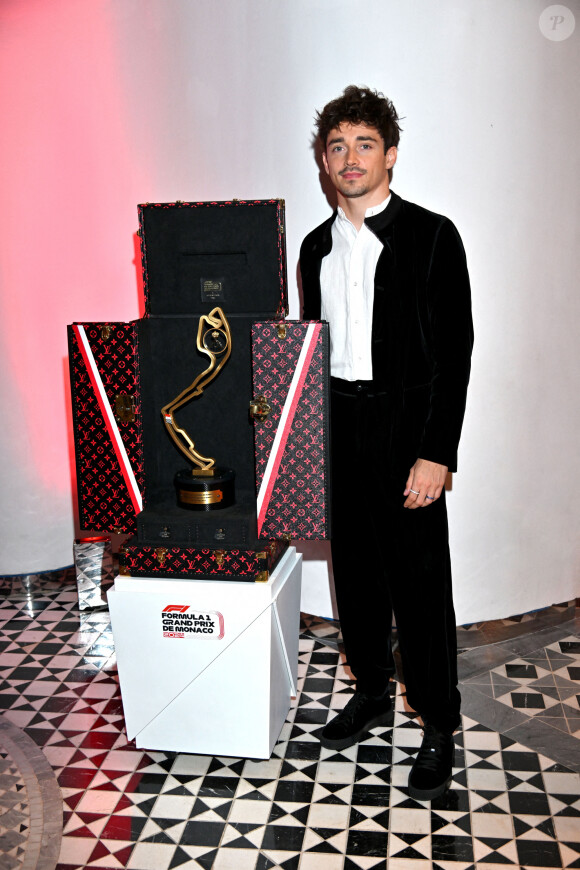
{"points": [[306, 808]]}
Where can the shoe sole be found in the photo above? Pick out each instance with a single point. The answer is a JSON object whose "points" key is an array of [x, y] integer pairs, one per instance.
{"points": [[428, 794], [345, 742]]}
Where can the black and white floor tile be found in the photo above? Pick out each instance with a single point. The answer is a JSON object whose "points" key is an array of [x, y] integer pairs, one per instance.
{"points": [[513, 801]]}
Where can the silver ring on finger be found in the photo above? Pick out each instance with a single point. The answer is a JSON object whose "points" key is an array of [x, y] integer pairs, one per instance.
{"points": [[430, 497], [414, 491]]}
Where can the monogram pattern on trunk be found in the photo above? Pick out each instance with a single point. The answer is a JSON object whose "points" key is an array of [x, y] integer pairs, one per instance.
{"points": [[296, 500], [143, 560], [104, 500]]}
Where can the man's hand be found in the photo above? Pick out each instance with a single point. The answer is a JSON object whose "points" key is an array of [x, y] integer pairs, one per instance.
{"points": [[425, 483]]}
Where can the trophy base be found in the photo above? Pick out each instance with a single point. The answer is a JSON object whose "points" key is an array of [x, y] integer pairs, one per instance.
{"points": [[196, 492]]}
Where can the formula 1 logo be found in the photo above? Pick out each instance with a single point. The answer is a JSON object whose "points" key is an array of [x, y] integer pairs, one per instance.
{"points": [[183, 621]]}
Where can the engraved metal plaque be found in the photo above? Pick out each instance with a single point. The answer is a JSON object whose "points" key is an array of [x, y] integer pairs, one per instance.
{"points": [[212, 289]]}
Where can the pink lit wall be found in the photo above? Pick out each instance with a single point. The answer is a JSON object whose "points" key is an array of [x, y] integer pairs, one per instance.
{"points": [[108, 103], [69, 180]]}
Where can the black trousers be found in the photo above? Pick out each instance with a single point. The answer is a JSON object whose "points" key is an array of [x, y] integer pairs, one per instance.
{"points": [[387, 558]]}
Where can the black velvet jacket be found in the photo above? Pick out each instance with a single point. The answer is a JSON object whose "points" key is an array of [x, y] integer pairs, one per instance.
{"points": [[422, 332]]}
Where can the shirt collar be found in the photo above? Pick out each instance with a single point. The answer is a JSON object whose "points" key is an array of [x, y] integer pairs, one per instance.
{"points": [[370, 212]]}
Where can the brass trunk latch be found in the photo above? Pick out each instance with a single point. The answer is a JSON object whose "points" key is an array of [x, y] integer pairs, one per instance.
{"points": [[124, 408], [259, 409], [220, 555], [161, 554], [281, 330]]}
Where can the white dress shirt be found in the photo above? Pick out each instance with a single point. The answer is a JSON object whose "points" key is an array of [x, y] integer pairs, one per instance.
{"points": [[347, 284]]}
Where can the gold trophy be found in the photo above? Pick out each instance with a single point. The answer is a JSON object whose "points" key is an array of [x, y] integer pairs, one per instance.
{"points": [[206, 487]]}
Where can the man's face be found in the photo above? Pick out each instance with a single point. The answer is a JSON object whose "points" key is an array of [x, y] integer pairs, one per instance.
{"points": [[356, 162]]}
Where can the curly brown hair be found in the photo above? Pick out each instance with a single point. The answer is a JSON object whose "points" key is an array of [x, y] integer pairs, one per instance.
{"points": [[360, 106]]}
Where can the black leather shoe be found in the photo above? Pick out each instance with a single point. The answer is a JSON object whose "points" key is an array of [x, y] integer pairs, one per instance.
{"points": [[360, 715], [431, 773]]}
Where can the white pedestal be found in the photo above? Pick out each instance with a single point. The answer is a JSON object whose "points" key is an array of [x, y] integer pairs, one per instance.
{"points": [[217, 686]]}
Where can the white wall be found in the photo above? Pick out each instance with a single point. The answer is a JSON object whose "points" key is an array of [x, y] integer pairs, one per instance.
{"points": [[122, 101]]}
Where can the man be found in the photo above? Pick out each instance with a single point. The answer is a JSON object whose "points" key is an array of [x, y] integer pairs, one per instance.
{"points": [[391, 279]]}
